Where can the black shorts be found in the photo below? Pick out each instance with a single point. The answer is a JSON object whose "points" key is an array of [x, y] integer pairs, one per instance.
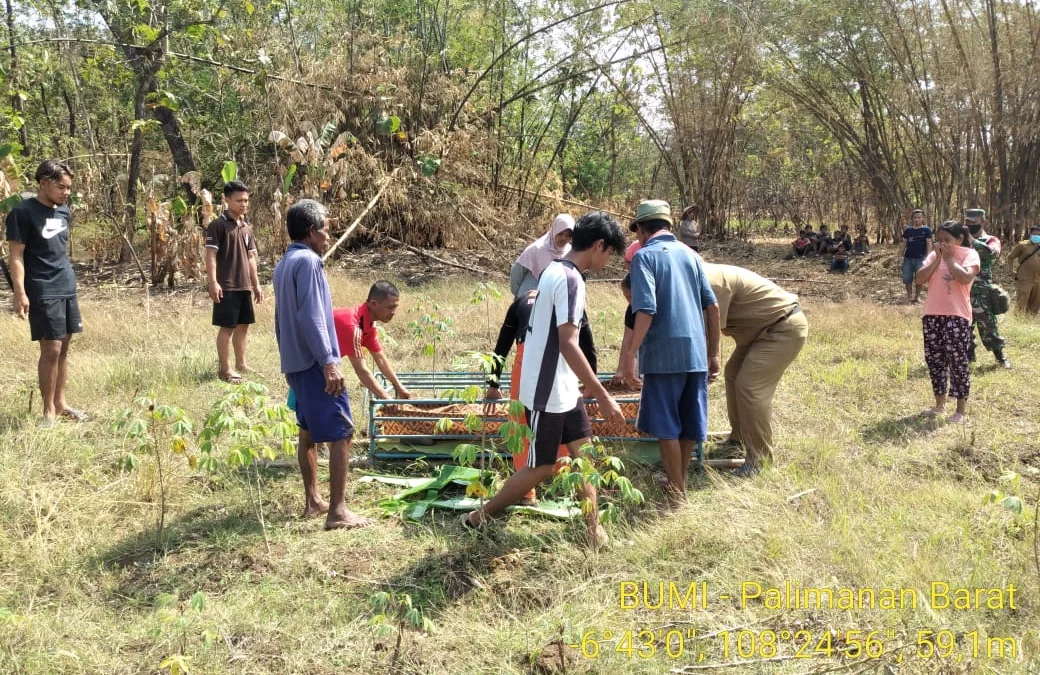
{"points": [[234, 309], [551, 430], [54, 318]]}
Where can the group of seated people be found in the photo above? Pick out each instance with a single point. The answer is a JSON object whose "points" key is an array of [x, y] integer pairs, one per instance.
{"points": [[839, 244]]}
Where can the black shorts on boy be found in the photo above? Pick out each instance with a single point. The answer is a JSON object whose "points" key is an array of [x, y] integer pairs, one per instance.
{"points": [[54, 318], [551, 430]]}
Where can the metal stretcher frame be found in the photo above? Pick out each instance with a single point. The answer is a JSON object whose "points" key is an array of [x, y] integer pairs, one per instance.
{"points": [[455, 381]]}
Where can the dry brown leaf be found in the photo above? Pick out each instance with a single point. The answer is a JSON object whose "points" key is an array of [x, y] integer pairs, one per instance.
{"points": [[193, 179]]}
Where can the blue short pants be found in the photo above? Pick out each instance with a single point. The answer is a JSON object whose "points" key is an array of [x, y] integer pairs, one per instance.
{"points": [[674, 406], [910, 267], [326, 417]]}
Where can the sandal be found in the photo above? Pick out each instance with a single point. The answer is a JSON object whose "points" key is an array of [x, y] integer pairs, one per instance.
{"points": [[231, 378], [74, 415]]}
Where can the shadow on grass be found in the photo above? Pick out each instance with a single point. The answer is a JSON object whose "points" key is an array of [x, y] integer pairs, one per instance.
{"points": [[439, 580], [899, 428], [918, 372], [12, 421], [990, 367], [145, 559]]}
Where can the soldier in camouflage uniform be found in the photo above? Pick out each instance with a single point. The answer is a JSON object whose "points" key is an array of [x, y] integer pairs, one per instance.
{"points": [[988, 248]]}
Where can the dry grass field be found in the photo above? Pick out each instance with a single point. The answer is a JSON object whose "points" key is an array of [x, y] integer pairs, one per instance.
{"points": [[866, 496]]}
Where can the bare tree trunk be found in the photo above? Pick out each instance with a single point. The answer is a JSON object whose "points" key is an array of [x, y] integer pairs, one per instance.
{"points": [[998, 203], [179, 149], [292, 38], [133, 173]]}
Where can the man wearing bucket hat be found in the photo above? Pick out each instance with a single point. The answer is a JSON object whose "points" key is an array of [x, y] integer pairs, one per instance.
{"points": [[983, 316], [1026, 254], [676, 329]]}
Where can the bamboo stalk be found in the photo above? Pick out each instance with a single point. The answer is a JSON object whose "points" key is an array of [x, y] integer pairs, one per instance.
{"points": [[565, 201], [468, 268], [357, 221]]}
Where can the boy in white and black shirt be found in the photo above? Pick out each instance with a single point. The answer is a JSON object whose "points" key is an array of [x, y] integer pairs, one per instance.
{"points": [[554, 369], [547, 382]]}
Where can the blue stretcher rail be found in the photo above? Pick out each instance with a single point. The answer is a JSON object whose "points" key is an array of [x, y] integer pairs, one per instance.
{"points": [[455, 381]]}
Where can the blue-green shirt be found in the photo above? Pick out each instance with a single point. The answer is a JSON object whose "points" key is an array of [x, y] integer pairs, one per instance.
{"points": [[668, 282]]}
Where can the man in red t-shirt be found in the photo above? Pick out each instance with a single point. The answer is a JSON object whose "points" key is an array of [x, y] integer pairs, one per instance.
{"points": [[356, 328]]}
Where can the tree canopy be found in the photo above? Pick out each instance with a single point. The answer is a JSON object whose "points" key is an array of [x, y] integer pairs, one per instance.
{"points": [[775, 110]]}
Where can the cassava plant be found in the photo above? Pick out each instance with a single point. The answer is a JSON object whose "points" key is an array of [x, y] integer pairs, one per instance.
{"points": [[431, 329], [244, 427], [158, 432], [178, 621], [603, 472], [393, 612], [484, 292], [468, 454]]}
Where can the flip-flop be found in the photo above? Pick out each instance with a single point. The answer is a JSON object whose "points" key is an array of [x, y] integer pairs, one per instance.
{"points": [[232, 378], [74, 415]]}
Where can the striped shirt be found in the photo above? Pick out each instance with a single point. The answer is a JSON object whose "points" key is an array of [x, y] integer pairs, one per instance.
{"points": [[547, 383]]}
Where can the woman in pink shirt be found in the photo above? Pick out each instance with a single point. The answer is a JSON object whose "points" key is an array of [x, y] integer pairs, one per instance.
{"points": [[949, 271]]}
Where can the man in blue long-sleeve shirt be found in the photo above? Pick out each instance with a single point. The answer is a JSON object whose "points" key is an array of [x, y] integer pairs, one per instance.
{"points": [[310, 358]]}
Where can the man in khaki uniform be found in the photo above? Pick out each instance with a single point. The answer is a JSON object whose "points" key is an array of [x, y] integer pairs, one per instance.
{"points": [[1027, 256], [769, 328]]}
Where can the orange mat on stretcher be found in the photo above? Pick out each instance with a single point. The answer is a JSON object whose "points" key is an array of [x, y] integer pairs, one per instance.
{"points": [[427, 415]]}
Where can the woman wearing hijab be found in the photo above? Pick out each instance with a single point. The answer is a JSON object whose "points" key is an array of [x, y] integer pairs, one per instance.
{"points": [[555, 243]]}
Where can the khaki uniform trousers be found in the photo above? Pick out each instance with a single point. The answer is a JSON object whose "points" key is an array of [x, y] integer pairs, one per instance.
{"points": [[1028, 295], [752, 374]]}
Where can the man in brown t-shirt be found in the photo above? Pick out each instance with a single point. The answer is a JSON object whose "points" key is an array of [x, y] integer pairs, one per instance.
{"points": [[769, 328], [233, 280]]}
